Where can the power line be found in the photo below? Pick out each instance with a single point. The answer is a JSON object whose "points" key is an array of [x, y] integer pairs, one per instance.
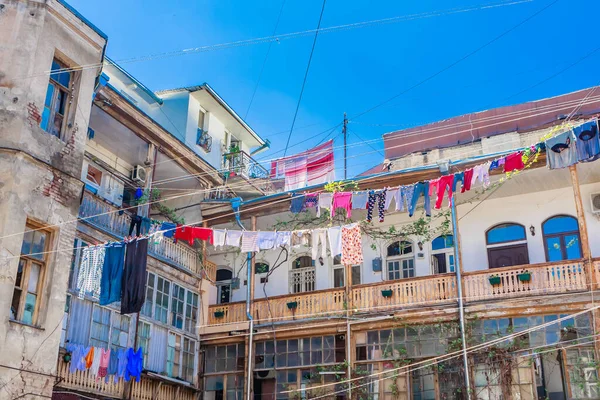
{"points": [[312, 50], [468, 55], [262, 69], [366, 142]]}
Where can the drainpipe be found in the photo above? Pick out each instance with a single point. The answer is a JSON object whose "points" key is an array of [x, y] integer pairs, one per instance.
{"points": [[457, 268]]}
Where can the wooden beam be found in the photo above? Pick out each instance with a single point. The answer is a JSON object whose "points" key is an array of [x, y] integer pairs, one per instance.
{"points": [[583, 232]]}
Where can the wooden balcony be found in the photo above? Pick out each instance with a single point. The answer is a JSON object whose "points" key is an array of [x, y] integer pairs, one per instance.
{"points": [[422, 291], [320, 303], [545, 278], [145, 389], [177, 254]]}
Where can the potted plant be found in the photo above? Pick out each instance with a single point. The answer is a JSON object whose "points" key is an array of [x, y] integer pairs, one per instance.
{"points": [[494, 280], [387, 293], [292, 305], [219, 314], [524, 276]]}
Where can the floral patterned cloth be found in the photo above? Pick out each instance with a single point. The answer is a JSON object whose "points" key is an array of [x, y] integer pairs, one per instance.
{"points": [[352, 253]]}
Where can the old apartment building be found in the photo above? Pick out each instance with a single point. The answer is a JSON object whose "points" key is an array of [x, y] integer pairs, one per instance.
{"points": [[513, 258]]}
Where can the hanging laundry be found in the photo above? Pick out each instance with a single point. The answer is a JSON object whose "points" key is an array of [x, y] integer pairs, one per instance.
{"points": [[420, 188], [514, 162], [233, 238], [496, 164], [352, 253], [325, 202], [190, 233], [335, 240], [359, 200], [90, 271], [296, 173], [78, 353], [134, 276], [458, 177], [301, 238], [342, 200], [249, 241], [444, 183], [136, 222], [113, 365], [104, 361], [112, 273], [406, 194], [283, 239], [588, 142], [82, 359], [89, 358], [297, 203], [135, 364], [392, 194], [319, 235], [311, 167], [311, 200], [122, 364], [481, 172], [96, 361], [378, 197], [219, 237], [433, 186], [266, 240], [561, 150], [169, 228], [468, 180]]}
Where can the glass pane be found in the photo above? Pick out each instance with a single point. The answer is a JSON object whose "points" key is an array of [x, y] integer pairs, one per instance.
{"points": [[554, 249], [39, 244], [506, 233], [442, 242], [572, 247], [356, 275], [20, 273], [45, 118], [34, 277], [338, 277], [61, 77], [29, 308], [560, 224], [49, 93], [27, 242]]}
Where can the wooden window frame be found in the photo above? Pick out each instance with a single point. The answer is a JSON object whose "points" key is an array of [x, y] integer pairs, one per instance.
{"points": [[35, 227], [561, 237], [68, 93]]}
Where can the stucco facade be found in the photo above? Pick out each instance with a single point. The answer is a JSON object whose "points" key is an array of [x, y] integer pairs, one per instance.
{"points": [[39, 182]]}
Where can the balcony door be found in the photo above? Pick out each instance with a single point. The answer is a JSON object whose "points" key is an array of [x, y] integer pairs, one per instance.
{"points": [[561, 238], [224, 285], [507, 245], [302, 275]]}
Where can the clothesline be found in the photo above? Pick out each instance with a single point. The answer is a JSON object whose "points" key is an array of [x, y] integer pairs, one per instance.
{"points": [[102, 363]]}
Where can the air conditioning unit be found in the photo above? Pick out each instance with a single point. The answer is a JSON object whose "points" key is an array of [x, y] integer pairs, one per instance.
{"points": [[595, 199], [138, 174]]}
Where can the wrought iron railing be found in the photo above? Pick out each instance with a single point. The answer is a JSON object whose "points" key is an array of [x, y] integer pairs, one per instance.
{"points": [[242, 164]]}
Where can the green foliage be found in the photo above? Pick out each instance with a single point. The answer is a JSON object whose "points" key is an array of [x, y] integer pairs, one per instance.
{"points": [[154, 196]]}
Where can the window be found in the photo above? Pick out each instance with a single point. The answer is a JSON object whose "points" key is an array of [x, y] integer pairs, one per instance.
{"points": [[191, 312], [188, 361], [302, 275], [224, 285], [57, 100], [400, 260], [261, 268], [30, 276], [316, 350], [442, 254], [561, 238], [235, 387], [583, 376], [161, 305], [507, 245], [339, 273], [143, 339], [201, 115], [225, 358], [109, 328], [148, 302], [177, 303], [173, 355]]}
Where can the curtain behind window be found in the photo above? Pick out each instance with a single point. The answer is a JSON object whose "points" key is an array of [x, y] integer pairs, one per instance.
{"points": [[80, 315], [157, 356]]}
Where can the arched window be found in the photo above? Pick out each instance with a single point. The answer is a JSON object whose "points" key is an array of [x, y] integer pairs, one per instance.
{"points": [[442, 254], [561, 238], [507, 245], [261, 268], [339, 273], [302, 275], [400, 260], [224, 276]]}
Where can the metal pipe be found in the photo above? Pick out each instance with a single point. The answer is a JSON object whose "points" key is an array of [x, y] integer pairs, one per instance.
{"points": [[251, 333], [457, 267]]}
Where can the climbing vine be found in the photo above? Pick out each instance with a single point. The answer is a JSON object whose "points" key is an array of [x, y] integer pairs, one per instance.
{"points": [[154, 197]]}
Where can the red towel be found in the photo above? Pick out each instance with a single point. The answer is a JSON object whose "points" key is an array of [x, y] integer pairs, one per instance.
{"points": [[189, 233], [514, 162]]}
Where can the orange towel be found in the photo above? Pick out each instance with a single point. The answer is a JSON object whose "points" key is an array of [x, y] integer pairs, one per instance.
{"points": [[89, 358]]}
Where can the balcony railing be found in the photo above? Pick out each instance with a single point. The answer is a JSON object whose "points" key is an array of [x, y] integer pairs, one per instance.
{"points": [[407, 292], [242, 164], [111, 222], [546, 278], [210, 270], [302, 280], [145, 389]]}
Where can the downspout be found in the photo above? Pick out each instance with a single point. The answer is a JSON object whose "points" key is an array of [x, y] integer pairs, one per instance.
{"points": [[457, 268]]}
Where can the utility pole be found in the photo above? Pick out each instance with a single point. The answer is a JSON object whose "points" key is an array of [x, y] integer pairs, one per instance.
{"points": [[345, 132]]}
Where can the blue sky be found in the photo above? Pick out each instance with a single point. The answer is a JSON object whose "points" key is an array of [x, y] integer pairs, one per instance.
{"points": [[355, 69]]}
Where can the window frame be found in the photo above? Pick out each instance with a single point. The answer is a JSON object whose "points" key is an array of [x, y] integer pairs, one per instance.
{"points": [[111, 326], [139, 338], [447, 251], [178, 360], [505, 242], [25, 275], [68, 99], [561, 236], [400, 259], [338, 266]]}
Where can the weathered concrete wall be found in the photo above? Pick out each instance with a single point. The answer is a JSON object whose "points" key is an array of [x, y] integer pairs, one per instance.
{"points": [[39, 177]]}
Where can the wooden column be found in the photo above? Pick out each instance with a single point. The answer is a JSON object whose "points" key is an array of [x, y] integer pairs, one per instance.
{"points": [[252, 274], [583, 233]]}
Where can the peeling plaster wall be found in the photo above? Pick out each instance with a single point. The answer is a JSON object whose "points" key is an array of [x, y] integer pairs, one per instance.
{"points": [[39, 176]]}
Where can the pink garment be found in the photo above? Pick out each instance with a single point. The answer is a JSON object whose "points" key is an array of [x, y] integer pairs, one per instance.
{"points": [[433, 184], [311, 167], [342, 200], [295, 173], [104, 361], [352, 253], [443, 183]]}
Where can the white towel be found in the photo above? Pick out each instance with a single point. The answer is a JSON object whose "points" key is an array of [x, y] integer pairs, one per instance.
{"points": [[249, 241], [283, 239], [266, 240], [233, 238], [335, 240], [319, 235], [219, 237], [325, 201]]}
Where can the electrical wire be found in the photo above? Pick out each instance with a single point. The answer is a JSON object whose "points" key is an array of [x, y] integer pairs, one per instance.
{"points": [[312, 50]]}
